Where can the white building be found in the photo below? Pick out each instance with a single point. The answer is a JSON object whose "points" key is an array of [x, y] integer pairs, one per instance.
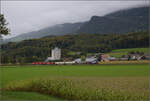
{"points": [[89, 59], [55, 54]]}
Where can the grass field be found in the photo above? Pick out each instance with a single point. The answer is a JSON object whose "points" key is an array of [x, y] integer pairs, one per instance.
{"points": [[85, 82], [120, 52]]}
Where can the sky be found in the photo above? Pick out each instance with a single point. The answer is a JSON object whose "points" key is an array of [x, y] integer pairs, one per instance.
{"points": [[27, 16]]}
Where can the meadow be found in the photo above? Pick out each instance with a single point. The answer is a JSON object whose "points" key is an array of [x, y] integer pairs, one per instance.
{"points": [[121, 52], [118, 52], [76, 82]]}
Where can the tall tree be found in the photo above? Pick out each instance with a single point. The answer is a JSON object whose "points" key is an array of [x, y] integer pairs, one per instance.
{"points": [[3, 30], [3, 26]]}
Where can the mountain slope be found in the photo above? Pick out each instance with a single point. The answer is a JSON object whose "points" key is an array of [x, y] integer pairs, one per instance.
{"points": [[130, 20], [123, 21], [56, 30]]}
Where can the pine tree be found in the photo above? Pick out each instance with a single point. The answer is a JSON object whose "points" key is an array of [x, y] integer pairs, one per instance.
{"points": [[3, 26]]}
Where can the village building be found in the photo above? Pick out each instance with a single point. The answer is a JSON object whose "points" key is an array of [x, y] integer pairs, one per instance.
{"points": [[139, 57], [87, 60], [55, 54], [123, 59], [112, 58], [103, 57]]}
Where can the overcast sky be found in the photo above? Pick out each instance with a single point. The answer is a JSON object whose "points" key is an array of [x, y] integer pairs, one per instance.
{"points": [[27, 16]]}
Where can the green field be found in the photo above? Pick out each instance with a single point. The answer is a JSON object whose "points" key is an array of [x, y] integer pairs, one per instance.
{"points": [[120, 52], [86, 82], [132, 49]]}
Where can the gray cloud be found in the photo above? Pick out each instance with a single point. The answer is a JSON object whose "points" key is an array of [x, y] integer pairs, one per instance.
{"points": [[26, 16]]}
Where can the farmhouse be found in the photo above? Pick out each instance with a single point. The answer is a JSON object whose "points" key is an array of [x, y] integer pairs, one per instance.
{"points": [[87, 60], [103, 57], [139, 57]]}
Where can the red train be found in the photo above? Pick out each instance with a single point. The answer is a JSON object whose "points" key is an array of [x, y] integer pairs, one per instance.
{"points": [[43, 63]]}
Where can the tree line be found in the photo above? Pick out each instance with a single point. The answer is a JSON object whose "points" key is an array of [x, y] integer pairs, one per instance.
{"points": [[32, 50]]}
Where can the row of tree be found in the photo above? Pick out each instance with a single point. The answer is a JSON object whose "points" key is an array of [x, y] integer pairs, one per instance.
{"points": [[28, 51]]}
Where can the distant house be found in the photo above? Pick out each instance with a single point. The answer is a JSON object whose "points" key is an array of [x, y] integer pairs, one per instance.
{"points": [[135, 57], [91, 60], [139, 57], [112, 58], [124, 59], [55, 54], [77, 60], [103, 57], [145, 57], [87, 60]]}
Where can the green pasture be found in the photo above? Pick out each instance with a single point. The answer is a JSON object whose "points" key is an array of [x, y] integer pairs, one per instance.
{"points": [[146, 50], [118, 52], [121, 52], [14, 73], [85, 76]]}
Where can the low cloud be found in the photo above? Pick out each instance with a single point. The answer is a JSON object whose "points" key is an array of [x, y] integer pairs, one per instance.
{"points": [[27, 16]]}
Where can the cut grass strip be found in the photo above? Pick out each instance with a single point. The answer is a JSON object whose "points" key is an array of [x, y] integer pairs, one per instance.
{"points": [[84, 89], [26, 96]]}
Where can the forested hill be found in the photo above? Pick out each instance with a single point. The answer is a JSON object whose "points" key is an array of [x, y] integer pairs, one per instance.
{"points": [[57, 30], [138, 11], [123, 21], [129, 20], [39, 49]]}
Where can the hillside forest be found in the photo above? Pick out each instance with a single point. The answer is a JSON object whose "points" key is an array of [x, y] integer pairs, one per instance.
{"points": [[32, 50]]}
